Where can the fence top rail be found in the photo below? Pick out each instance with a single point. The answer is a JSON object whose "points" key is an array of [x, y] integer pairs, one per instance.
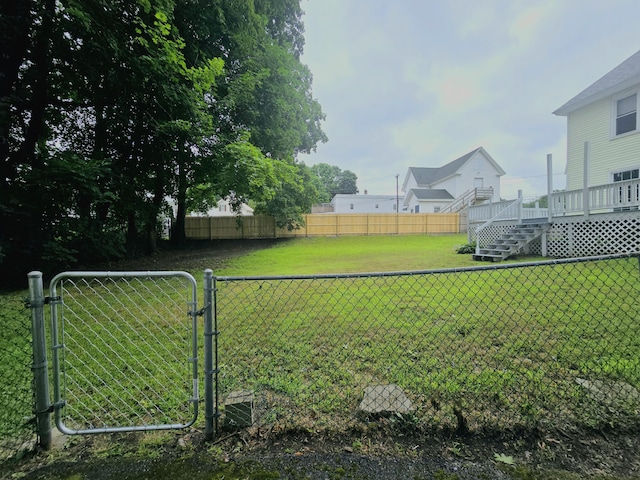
{"points": [[122, 274], [558, 261]]}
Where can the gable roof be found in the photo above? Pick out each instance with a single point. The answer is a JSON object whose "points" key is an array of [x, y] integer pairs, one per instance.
{"points": [[426, 176], [620, 78], [431, 194]]}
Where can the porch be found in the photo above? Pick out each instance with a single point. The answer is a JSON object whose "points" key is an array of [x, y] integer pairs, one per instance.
{"points": [[598, 220]]}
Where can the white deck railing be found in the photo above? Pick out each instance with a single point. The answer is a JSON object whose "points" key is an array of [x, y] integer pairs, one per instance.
{"points": [[611, 197], [601, 198], [468, 198], [480, 213]]}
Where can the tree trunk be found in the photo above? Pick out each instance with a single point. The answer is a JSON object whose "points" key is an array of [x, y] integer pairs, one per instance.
{"points": [[178, 234]]}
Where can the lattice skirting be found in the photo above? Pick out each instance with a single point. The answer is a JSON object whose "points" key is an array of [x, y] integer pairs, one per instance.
{"points": [[600, 234]]}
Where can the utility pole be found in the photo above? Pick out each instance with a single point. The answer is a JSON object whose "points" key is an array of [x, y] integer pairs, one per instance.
{"points": [[397, 195]]}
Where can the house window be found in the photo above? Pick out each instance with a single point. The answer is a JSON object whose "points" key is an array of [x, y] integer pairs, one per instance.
{"points": [[376, 205], [626, 109], [351, 206], [626, 175], [436, 209]]}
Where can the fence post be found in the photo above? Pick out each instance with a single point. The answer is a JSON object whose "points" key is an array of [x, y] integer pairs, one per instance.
{"points": [[210, 403], [40, 366]]}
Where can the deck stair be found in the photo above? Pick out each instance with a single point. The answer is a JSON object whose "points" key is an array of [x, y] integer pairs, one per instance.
{"points": [[512, 242], [470, 197]]}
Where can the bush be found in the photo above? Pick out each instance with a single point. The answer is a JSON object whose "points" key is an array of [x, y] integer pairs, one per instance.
{"points": [[466, 248]]}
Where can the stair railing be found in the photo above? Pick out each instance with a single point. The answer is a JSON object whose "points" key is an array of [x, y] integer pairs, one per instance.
{"points": [[513, 210], [468, 198]]}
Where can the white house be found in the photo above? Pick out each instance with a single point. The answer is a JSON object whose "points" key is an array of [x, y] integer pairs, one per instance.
{"points": [[429, 190], [347, 203], [223, 209], [605, 115]]}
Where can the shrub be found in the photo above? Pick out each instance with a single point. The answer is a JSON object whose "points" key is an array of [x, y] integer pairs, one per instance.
{"points": [[466, 248]]}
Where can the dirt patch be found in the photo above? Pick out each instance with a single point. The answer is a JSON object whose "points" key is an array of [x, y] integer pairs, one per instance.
{"points": [[379, 453]]}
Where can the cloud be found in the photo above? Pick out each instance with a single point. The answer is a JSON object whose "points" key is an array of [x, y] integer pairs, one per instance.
{"points": [[421, 82]]}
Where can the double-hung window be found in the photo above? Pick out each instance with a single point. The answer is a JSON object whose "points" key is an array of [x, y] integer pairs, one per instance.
{"points": [[626, 114]]}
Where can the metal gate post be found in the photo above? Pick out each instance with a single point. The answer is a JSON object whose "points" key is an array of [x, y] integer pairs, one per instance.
{"points": [[209, 403], [40, 366]]}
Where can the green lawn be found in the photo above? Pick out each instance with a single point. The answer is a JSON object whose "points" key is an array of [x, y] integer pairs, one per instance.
{"points": [[502, 347], [321, 255]]}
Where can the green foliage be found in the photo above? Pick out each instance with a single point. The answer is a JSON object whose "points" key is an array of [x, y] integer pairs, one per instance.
{"points": [[109, 109], [295, 194], [333, 181], [466, 248], [505, 459]]}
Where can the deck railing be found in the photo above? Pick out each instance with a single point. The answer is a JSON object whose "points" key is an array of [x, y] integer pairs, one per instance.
{"points": [[612, 197], [468, 198], [616, 196], [480, 213]]}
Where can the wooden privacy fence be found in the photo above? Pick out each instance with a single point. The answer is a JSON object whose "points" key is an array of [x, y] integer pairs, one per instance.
{"points": [[322, 225]]}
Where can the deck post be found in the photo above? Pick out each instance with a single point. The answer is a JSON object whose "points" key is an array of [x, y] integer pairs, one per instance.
{"points": [[585, 184], [520, 206], [550, 187]]}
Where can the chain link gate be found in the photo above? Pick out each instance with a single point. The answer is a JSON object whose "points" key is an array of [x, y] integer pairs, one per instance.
{"points": [[125, 351]]}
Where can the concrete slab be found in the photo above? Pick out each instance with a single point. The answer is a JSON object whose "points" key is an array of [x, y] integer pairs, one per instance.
{"points": [[385, 399]]}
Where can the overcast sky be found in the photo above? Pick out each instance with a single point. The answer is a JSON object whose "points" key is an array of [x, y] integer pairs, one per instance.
{"points": [[419, 83]]}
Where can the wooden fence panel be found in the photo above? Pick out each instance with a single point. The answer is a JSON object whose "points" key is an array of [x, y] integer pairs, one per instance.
{"points": [[323, 224], [353, 224]]}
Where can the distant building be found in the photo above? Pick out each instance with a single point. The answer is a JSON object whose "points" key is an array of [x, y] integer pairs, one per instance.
{"points": [[223, 209], [471, 179], [349, 203], [474, 176]]}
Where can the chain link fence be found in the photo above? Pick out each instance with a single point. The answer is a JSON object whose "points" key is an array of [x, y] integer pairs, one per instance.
{"points": [[125, 351], [481, 348], [17, 420], [484, 348]]}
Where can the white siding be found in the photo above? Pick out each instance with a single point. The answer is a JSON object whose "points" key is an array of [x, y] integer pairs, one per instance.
{"points": [[423, 206], [476, 167], [343, 203], [592, 124]]}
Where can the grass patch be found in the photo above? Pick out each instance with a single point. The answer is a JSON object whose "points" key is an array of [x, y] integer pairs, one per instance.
{"points": [[353, 254]]}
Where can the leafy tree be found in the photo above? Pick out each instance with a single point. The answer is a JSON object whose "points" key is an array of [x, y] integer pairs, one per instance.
{"points": [[296, 193], [109, 108], [334, 181]]}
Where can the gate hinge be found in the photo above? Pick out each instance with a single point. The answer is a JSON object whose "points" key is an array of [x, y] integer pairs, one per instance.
{"points": [[46, 301]]}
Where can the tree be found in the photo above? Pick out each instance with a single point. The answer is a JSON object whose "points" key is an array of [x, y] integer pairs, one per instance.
{"points": [[295, 195], [334, 181], [108, 109]]}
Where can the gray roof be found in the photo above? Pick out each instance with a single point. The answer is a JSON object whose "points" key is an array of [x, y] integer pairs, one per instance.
{"points": [[431, 194], [623, 76], [426, 176]]}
